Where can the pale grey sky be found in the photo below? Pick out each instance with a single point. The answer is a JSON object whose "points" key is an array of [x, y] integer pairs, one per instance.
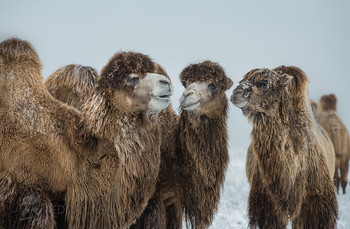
{"points": [[239, 35]]}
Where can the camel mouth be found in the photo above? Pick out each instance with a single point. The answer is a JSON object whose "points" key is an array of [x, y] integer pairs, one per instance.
{"points": [[240, 104], [191, 106], [163, 96]]}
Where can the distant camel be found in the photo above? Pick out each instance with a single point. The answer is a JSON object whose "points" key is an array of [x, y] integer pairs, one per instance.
{"points": [[288, 169], [329, 119], [105, 159]]}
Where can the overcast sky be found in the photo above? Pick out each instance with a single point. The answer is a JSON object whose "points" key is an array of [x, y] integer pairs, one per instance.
{"points": [[239, 35]]}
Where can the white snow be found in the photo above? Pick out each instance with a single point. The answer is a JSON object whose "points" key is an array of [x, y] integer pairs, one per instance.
{"points": [[232, 211]]}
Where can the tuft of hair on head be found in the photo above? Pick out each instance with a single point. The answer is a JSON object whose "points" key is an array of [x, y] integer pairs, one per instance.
{"points": [[15, 49], [299, 82], [205, 71], [123, 64], [328, 102]]}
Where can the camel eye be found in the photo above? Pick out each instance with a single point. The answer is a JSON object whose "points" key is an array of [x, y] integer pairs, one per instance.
{"points": [[263, 86], [212, 87], [133, 81]]}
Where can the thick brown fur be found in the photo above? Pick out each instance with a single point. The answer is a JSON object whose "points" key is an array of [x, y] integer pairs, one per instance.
{"points": [[337, 131], [287, 163], [105, 158], [72, 84], [202, 148]]}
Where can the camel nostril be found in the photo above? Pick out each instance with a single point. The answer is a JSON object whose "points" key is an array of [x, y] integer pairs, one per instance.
{"points": [[164, 82], [189, 93]]}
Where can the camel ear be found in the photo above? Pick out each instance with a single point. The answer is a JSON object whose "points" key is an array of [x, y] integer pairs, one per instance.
{"points": [[229, 83], [286, 79]]}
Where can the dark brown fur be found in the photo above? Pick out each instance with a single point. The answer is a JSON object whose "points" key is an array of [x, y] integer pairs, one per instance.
{"points": [[339, 135], [202, 147], [49, 148], [288, 169]]}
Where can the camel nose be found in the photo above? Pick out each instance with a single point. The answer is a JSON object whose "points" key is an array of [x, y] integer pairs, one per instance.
{"points": [[245, 88], [164, 82]]}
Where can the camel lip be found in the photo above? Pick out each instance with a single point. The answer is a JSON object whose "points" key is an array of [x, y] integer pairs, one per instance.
{"points": [[240, 104]]}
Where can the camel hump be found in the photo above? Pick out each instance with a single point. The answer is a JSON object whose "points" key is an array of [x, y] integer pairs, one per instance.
{"points": [[15, 49]]}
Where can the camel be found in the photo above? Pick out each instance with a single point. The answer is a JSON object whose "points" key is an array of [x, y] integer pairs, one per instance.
{"points": [[72, 83], [64, 85], [201, 143], [104, 159], [329, 119], [290, 177]]}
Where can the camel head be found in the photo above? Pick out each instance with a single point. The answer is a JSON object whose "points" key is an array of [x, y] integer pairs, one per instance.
{"points": [[205, 85], [260, 91], [328, 103], [133, 84]]}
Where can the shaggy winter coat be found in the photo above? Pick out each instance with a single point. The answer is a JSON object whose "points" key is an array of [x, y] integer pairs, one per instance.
{"points": [[286, 163]]}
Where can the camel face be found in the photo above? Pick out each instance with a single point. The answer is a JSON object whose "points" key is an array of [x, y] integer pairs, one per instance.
{"points": [[259, 92], [199, 96], [152, 93]]}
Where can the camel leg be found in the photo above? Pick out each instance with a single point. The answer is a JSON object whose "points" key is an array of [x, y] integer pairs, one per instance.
{"points": [[152, 217], [24, 207], [174, 216], [261, 209], [60, 213], [319, 210], [344, 169], [336, 172], [336, 179]]}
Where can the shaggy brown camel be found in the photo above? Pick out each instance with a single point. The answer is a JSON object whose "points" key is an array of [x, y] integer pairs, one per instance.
{"points": [[72, 84], [201, 145], [105, 159], [329, 119], [288, 170], [65, 84]]}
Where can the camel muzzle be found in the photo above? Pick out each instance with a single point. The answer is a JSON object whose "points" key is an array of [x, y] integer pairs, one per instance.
{"points": [[240, 95]]}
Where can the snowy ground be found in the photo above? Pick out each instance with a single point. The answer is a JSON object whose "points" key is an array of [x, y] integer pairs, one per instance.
{"points": [[233, 205]]}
